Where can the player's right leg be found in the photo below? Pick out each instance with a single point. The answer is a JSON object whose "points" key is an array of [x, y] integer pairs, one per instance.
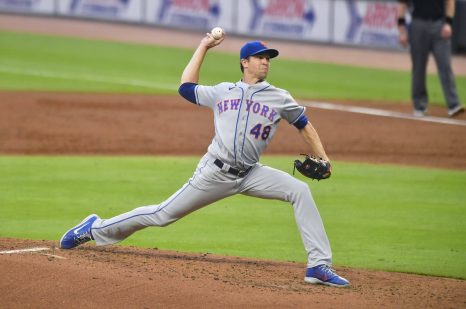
{"points": [[202, 189], [183, 202]]}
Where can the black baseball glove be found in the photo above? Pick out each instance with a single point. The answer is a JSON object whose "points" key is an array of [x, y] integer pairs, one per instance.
{"points": [[313, 168]]}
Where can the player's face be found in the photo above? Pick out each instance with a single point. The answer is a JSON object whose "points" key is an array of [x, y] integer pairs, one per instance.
{"points": [[258, 66]]}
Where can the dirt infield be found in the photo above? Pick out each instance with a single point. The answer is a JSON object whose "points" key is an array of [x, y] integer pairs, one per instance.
{"points": [[120, 277], [62, 123]]}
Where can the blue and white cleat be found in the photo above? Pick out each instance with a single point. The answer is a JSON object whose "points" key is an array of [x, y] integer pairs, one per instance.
{"points": [[79, 234], [323, 274]]}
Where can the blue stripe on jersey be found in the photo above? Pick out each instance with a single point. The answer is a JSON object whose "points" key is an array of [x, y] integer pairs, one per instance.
{"points": [[197, 95], [301, 122], [297, 118], [237, 120], [187, 91], [247, 119]]}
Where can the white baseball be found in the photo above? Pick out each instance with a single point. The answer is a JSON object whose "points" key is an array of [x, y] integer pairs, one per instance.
{"points": [[217, 33]]}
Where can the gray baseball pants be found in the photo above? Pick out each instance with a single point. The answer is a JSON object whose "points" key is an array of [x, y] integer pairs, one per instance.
{"points": [[425, 37], [210, 184]]}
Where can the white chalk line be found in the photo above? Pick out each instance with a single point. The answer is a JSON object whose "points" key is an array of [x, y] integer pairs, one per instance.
{"points": [[90, 78], [34, 250], [382, 113], [25, 250]]}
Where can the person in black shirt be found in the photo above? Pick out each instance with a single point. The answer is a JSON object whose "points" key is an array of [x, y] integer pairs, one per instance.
{"points": [[430, 31]]}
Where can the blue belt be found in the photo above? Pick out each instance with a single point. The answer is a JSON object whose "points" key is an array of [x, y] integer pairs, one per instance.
{"points": [[232, 170]]}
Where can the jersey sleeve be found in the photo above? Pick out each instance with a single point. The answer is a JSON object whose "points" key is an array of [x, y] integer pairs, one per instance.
{"points": [[187, 91], [292, 111], [206, 95]]}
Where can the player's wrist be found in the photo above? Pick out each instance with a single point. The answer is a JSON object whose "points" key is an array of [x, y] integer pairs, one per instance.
{"points": [[401, 21], [449, 20]]}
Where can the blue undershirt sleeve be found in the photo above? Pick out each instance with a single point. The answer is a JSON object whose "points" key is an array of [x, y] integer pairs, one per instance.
{"points": [[188, 91], [301, 122]]}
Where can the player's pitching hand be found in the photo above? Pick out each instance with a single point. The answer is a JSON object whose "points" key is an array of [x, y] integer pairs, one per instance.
{"points": [[208, 41]]}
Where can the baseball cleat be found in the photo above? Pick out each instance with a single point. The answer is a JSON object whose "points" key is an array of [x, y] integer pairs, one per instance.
{"points": [[78, 234], [323, 274]]}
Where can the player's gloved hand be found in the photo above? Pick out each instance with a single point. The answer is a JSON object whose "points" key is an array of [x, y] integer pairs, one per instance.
{"points": [[313, 168]]}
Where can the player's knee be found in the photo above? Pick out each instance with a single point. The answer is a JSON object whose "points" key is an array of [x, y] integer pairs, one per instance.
{"points": [[166, 220], [301, 186], [298, 190], [301, 189], [166, 217]]}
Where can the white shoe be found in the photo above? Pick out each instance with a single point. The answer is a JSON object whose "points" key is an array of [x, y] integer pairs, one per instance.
{"points": [[455, 111], [418, 113]]}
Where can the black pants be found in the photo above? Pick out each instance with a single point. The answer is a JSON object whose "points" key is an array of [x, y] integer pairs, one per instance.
{"points": [[425, 37]]}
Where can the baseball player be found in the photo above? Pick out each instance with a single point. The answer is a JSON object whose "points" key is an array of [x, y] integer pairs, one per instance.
{"points": [[246, 115]]}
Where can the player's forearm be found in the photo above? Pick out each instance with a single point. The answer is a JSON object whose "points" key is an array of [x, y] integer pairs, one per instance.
{"points": [[191, 72], [312, 139], [402, 8], [450, 8]]}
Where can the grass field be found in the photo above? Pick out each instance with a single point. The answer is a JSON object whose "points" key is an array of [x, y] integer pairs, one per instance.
{"points": [[409, 220], [390, 218], [37, 62]]}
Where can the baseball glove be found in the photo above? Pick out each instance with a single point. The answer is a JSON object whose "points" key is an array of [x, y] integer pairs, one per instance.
{"points": [[313, 168]]}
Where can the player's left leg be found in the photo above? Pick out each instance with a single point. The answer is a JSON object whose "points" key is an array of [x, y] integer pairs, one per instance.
{"points": [[266, 182], [270, 183]]}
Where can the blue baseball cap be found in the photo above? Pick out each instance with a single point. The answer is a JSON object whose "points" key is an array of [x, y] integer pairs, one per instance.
{"points": [[256, 47]]}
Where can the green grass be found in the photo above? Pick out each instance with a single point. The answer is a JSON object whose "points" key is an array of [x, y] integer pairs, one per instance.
{"points": [[390, 218], [49, 63]]}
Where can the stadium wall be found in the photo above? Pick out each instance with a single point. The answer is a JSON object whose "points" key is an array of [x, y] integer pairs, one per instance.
{"points": [[344, 22]]}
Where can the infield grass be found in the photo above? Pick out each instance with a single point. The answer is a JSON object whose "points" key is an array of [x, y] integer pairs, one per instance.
{"points": [[389, 217], [50, 63]]}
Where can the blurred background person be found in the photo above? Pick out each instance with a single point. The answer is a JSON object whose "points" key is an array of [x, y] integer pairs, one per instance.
{"points": [[429, 32]]}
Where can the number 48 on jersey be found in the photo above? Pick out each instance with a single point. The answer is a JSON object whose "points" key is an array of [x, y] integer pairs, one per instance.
{"points": [[257, 131]]}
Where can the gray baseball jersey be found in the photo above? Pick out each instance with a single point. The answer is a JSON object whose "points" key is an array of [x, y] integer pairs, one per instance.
{"points": [[246, 118]]}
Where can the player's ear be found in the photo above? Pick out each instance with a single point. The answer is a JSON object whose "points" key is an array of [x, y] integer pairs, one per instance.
{"points": [[244, 63]]}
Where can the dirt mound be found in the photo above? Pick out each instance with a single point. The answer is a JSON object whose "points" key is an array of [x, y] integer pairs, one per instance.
{"points": [[126, 277]]}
